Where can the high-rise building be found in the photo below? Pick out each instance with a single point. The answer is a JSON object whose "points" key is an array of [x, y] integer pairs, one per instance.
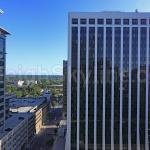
{"points": [[108, 81], [3, 34]]}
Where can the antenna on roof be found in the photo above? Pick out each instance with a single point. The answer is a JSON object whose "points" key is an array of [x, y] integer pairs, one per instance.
{"points": [[1, 12], [136, 11]]}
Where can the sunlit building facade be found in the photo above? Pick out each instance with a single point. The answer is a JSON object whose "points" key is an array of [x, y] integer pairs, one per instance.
{"points": [[108, 81]]}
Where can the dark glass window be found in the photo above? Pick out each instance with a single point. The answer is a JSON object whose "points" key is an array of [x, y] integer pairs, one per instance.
{"points": [[1, 100], [126, 21], [74, 53], [1, 63], [83, 21], [118, 21], [74, 21], [108, 21], [1, 78], [117, 52], [143, 21], [108, 83], [134, 21], [126, 32], [91, 21], [1, 115], [100, 44], [143, 45], [82, 85], [1, 71], [1, 85], [149, 86], [2, 44], [100, 21], [91, 86], [1, 93], [1, 108], [134, 85]]}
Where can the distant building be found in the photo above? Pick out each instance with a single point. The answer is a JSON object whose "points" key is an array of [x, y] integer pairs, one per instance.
{"points": [[19, 83], [65, 88], [31, 82], [56, 86], [108, 81], [3, 34]]}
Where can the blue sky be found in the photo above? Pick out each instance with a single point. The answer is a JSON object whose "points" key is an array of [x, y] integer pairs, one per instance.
{"points": [[38, 43]]}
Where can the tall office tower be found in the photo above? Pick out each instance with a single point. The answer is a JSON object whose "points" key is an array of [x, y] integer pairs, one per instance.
{"points": [[108, 81], [3, 34], [64, 88]]}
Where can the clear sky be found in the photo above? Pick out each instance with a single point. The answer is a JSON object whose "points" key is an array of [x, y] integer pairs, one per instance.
{"points": [[38, 43]]}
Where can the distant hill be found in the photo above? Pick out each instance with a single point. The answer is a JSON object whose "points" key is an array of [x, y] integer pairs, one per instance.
{"points": [[34, 77]]}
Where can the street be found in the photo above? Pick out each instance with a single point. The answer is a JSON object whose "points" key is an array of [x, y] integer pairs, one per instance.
{"points": [[41, 140]]}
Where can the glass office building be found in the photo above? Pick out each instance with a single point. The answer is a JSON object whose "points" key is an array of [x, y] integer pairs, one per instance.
{"points": [[108, 81], [3, 34]]}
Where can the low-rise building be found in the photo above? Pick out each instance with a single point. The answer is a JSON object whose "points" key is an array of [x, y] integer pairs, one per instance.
{"points": [[18, 83], [38, 106], [21, 83], [17, 134], [25, 120]]}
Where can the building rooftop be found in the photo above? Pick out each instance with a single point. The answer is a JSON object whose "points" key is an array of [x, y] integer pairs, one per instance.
{"points": [[25, 104], [3, 31], [111, 14], [13, 122]]}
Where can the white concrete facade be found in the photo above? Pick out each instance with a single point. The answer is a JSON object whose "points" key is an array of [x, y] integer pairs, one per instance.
{"points": [[113, 16]]}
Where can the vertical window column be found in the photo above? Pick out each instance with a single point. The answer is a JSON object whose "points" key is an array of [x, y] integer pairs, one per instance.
{"points": [[104, 89], [125, 93], [112, 90], [100, 51], [130, 82], [149, 88], [142, 109], [108, 86], [134, 87], [95, 92], [74, 54], [117, 54], [87, 81], [121, 90], [138, 92], [78, 91], [82, 86], [147, 91], [91, 88]]}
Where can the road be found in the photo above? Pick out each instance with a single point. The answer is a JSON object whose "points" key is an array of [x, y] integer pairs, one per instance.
{"points": [[47, 132], [41, 139], [59, 144]]}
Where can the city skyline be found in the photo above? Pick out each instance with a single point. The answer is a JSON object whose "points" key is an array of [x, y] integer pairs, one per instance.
{"points": [[28, 53]]}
